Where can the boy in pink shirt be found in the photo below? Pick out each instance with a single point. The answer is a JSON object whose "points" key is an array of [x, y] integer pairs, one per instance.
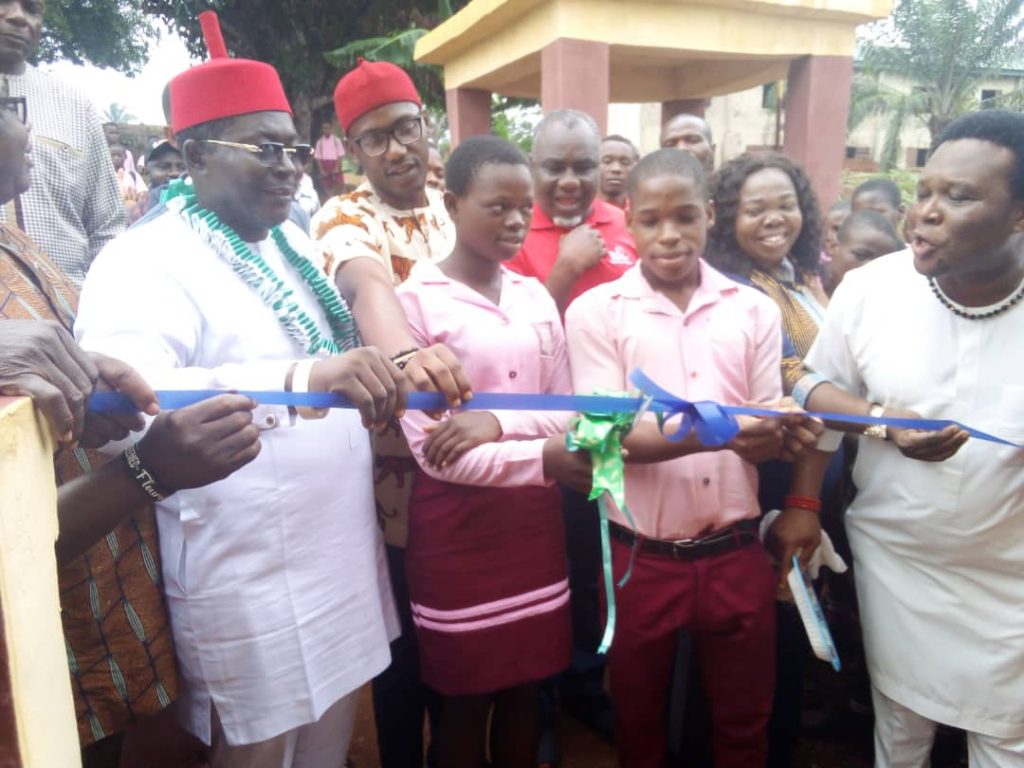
{"points": [[699, 563]]}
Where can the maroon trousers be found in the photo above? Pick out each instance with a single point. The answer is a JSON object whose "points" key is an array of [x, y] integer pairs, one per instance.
{"points": [[727, 602]]}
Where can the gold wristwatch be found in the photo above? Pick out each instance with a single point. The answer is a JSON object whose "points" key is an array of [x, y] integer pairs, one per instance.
{"points": [[876, 431]]}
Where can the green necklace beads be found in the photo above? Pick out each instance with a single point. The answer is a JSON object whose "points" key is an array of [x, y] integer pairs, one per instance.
{"points": [[250, 266]]}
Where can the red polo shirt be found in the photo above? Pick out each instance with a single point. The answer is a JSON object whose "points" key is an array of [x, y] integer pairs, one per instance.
{"points": [[540, 249]]}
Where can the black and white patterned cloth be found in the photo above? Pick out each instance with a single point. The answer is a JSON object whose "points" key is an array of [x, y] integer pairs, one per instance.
{"points": [[73, 207]]}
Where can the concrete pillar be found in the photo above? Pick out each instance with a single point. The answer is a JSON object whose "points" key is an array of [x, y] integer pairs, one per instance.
{"points": [[670, 109], [469, 113], [574, 75], [817, 106]]}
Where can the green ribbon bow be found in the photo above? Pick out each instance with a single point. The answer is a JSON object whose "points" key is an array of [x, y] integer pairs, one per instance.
{"points": [[601, 434]]}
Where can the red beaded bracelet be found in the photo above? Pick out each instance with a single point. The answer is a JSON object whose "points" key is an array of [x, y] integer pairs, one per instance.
{"points": [[803, 502]]}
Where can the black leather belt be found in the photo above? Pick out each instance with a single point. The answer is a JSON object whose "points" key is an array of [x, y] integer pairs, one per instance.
{"points": [[741, 534]]}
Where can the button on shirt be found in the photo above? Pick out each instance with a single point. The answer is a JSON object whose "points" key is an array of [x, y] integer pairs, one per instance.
{"points": [[540, 250], [516, 345], [726, 347]]}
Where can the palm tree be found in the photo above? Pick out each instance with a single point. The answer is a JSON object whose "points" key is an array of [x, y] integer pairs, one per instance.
{"points": [[118, 113], [945, 49]]}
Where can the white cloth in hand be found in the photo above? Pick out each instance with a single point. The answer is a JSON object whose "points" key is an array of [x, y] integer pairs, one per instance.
{"points": [[824, 556]]}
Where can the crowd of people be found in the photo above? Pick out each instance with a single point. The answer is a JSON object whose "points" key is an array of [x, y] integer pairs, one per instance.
{"points": [[233, 572]]}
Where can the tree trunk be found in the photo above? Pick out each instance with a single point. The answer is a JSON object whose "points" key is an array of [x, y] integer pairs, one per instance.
{"points": [[302, 108]]}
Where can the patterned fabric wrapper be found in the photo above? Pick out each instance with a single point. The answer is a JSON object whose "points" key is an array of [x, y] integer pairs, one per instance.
{"points": [[115, 623]]}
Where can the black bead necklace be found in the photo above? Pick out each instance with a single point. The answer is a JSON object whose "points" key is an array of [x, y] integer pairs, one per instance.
{"points": [[985, 312]]}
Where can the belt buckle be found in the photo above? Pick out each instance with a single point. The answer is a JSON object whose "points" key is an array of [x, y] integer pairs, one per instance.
{"points": [[680, 546]]}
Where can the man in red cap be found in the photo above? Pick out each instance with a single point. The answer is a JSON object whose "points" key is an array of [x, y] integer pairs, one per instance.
{"points": [[280, 605], [370, 239]]}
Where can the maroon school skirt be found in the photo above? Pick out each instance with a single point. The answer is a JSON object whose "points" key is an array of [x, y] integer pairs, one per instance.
{"points": [[488, 585]]}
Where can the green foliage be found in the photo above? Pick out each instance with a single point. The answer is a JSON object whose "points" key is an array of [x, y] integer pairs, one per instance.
{"points": [[515, 120], [399, 49], [294, 35], [946, 48], [906, 180], [117, 113], [107, 33], [398, 46]]}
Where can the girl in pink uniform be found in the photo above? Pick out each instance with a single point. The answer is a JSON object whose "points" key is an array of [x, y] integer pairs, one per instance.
{"points": [[486, 559]]}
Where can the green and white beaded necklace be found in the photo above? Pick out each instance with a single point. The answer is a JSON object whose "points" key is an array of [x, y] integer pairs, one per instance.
{"points": [[249, 265]]}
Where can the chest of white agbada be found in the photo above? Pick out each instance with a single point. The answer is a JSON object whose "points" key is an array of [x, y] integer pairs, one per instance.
{"points": [[938, 547], [279, 601]]}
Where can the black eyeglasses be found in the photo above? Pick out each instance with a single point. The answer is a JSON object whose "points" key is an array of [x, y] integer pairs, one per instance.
{"points": [[15, 105], [375, 142], [270, 152]]}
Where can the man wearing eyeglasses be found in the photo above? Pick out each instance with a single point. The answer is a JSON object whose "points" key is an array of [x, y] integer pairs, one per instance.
{"points": [[370, 239], [280, 604], [73, 207]]}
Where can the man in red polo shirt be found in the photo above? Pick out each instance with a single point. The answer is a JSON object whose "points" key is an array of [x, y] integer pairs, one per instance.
{"points": [[576, 240]]}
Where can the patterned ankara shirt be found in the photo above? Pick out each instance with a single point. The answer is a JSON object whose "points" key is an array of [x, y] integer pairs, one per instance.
{"points": [[361, 225], [116, 631], [73, 207]]}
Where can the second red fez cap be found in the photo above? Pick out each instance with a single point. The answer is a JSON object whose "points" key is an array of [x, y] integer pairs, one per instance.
{"points": [[223, 87], [370, 85]]}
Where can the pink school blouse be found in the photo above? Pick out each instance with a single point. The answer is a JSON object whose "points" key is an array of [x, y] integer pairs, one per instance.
{"points": [[517, 345]]}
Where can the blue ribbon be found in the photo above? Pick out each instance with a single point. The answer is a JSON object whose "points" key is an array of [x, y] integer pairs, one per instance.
{"points": [[714, 424]]}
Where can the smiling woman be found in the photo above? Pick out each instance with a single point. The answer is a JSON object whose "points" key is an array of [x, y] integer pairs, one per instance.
{"points": [[767, 233]]}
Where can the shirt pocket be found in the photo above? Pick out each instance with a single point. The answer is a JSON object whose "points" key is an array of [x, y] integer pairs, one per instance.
{"points": [[545, 331], [1010, 417]]}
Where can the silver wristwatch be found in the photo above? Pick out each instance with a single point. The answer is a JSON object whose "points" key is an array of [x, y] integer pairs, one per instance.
{"points": [[876, 431]]}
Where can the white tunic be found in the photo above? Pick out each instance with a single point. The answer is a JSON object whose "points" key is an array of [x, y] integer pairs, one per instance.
{"points": [[939, 547], [275, 579]]}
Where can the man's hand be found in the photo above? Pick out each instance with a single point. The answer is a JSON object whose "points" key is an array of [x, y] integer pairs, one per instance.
{"points": [[436, 369], [581, 248], [455, 436], [571, 468], [102, 428], [924, 445], [758, 440], [366, 377], [39, 359], [799, 431], [795, 531], [202, 443]]}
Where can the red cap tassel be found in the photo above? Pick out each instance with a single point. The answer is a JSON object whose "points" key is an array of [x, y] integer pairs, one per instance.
{"points": [[212, 35]]}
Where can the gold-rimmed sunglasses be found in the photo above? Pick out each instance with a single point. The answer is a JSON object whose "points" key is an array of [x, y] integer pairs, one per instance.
{"points": [[269, 152]]}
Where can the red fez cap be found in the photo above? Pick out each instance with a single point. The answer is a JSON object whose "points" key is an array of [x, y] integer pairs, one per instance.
{"points": [[223, 87], [370, 85]]}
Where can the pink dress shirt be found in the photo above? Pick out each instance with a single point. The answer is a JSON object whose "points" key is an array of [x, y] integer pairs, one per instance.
{"points": [[726, 347], [515, 346]]}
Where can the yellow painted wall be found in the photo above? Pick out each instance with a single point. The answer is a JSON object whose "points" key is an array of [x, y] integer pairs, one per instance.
{"points": [[505, 36], [28, 588]]}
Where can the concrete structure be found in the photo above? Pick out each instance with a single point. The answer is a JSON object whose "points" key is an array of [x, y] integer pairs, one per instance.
{"points": [[746, 121], [586, 54], [37, 715]]}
